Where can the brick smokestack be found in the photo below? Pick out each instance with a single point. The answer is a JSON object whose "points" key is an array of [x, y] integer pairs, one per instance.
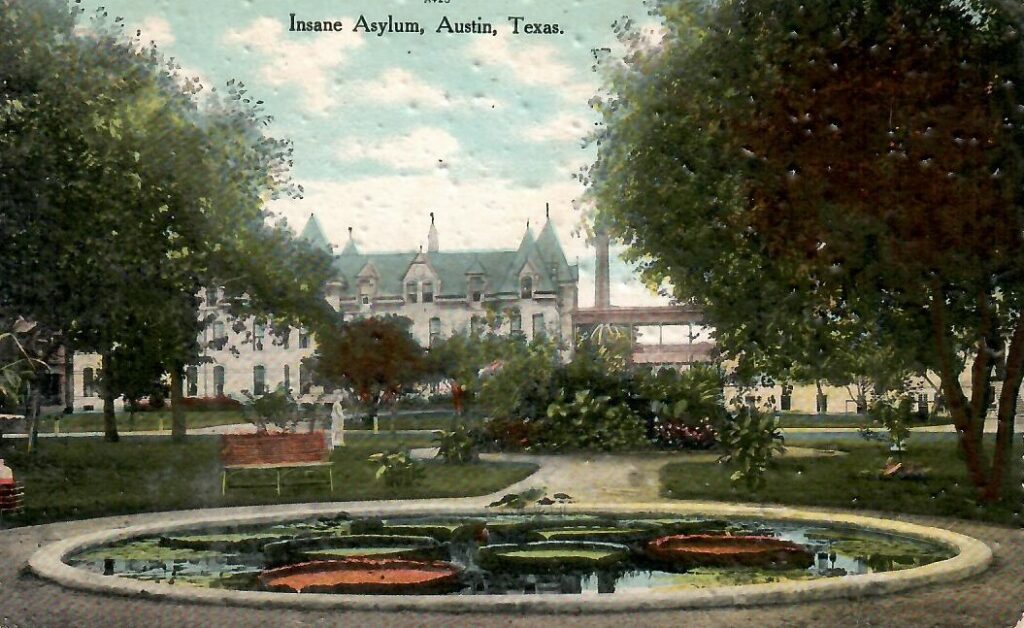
{"points": [[602, 294]]}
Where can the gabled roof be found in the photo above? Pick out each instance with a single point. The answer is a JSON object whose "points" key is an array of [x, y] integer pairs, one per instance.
{"points": [[551, 252], [314, 234]]}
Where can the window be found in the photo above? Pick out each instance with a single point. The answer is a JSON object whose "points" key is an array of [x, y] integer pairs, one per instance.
{"points": [[218, 381], [428, 292], [526, 287], [303, 339], [538, 325], [286, 338], [435, 331], [516, 324], [259, 330], [259, 380], [218, 330], [212, 295], [304, 383], [88, 383], [476, 289], [476, 325], [410, 292], [287, 377], [192, 379], [364, 299], [822, 404], [786, 399]]}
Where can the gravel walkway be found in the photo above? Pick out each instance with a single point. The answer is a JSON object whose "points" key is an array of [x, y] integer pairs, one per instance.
{"points": [[993, 599]]}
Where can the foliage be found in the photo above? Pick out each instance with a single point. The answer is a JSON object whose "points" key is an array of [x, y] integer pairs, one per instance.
{"points": [[692, 396], [458, 445], [751, 439], [376, 359], [895, 417], [588, 421], [827, 176], [210, 404], [396, 468], [681, 435], [460, 358], [130, 193], [277, 408], [520, 384]]}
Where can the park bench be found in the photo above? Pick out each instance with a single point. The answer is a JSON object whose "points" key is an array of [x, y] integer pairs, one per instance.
{"points": [[280, 452]]}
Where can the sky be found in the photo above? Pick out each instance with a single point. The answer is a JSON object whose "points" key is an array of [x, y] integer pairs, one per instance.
{"points": [[483, 130]]}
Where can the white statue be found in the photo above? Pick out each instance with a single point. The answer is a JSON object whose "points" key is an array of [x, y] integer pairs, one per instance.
{"points": [[337, 425]]}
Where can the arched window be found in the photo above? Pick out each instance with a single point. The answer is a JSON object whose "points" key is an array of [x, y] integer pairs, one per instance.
{"points": [[526, 287], [192, 377], [88, 383], [259, 380], [476, 289], [218, 381]]}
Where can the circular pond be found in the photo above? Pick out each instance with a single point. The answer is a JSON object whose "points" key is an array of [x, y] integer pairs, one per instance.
{"points": [[480, 559]]}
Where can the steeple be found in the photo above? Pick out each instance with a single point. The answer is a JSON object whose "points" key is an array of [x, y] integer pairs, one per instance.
{"points": [[551, 251], [350, 246], [432, 243], [313, 233]]}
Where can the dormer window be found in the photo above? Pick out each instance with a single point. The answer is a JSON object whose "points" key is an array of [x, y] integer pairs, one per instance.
{"points": [[476, 289], [411, 295], [526, 287], [428, 292]]}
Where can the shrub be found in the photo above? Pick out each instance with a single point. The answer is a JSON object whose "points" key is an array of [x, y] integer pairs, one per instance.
{"points": [[681, 435], [895, 417], [274, 408], [588, 421], [397, 468], [457, 446], [751, 439], [508, 434], [206, 404]]}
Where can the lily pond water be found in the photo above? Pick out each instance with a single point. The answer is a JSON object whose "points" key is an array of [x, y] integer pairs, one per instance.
{"points": [[505, 554]]}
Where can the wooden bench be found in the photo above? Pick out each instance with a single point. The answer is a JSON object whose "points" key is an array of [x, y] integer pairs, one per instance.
{"points": [[280, 452]]}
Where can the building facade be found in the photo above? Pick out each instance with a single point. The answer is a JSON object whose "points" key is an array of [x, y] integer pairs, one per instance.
{"points": [[529, 290]]}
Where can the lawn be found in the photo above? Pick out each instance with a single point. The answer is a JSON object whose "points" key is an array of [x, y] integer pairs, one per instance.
{"points": [[161, 420], [852, 481], [77, 478], [795, 419]]}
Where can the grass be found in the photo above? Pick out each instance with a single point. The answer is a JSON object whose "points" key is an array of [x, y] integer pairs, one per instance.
{"points": [[852, 481], [794, 419], [161, 420], [78, 478]]}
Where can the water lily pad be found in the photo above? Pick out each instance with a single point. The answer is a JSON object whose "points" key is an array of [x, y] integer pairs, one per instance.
{"points": [[364, 575], [292, 551], [145, 549], [620, 535], [552, 555]]}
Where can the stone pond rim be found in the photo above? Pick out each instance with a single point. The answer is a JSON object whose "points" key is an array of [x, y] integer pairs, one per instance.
{"points": [[972, 557]]}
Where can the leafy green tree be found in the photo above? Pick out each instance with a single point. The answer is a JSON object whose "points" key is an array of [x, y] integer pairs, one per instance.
{"points": [[125, 195], [816, 173], [376, 359]]}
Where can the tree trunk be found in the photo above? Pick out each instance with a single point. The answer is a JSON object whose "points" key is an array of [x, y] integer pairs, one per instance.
{"points": [[178, 426], [69, 380], [458, 397], [109, 419], [1005, 415], [32, 413]]}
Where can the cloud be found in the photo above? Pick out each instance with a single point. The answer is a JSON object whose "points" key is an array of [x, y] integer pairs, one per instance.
{"points": [[306, 65], [566, 127], [157, 30], [423, 149], [390, 213], [399, 87], [536, 65]]}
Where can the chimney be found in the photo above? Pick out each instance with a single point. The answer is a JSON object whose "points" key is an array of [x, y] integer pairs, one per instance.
{"points": [[602, 294]]}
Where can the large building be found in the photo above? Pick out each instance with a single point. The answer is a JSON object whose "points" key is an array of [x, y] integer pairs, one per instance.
{"points": [[529, 290]]}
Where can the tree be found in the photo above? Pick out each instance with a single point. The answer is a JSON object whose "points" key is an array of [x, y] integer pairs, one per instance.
{"points": [[122, 195], [375, 358], [816, 173]]}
